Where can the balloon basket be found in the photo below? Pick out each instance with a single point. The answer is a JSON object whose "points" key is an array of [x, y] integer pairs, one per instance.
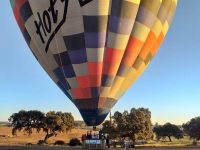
{"points": [[94, 144]]}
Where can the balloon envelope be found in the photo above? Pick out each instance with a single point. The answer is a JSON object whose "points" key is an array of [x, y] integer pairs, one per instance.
{"points": [[94, 50]]}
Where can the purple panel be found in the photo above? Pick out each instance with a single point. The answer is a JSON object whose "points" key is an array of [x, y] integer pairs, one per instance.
{"points": [[95, 91], [78, 56], [120, 25], [123, 70], [69, 71], [145, 17], [107, 80], [95, 40]]}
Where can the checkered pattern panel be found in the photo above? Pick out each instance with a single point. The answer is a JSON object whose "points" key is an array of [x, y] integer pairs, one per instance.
{"points": [[94, 50]]}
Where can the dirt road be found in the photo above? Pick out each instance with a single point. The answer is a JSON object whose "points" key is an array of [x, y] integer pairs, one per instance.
{"points": [[79, 148]]}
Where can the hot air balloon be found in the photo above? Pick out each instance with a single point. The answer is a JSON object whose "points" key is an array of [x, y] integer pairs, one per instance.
{"points": [[94, 50]]}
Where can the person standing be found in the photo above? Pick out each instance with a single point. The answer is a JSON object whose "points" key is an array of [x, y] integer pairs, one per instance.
{"points": [[108, 141]]}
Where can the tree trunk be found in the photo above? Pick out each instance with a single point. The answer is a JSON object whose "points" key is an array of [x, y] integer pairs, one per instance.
{"points": [[48, 136], [169, 138]]}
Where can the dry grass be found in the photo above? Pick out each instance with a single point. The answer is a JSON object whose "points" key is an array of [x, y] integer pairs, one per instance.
{"points": [[6, 137], [8, 142]]}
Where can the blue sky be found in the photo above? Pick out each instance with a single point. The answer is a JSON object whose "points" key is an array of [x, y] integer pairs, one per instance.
{"points": [[169, 87]]}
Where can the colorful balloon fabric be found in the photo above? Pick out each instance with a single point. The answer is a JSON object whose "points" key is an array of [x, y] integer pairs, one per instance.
{"points": [[94, 50]]}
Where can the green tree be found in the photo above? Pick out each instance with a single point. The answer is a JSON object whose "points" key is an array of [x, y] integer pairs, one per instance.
{"points": [[192, 128], [110, 129], [50, 123], [168, 130], [134, 124]]}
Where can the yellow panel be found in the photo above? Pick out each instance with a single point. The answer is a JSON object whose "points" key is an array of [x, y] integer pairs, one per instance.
{"points": [[140, 31], [134, 1], [132, 77], [116, 84], [104, 91], [151, 5], [141, 68], [157, 27], [165, 28], [129, 78], [117, 41], [96, 8], [119, 94], [176, 1], [166, 4]]}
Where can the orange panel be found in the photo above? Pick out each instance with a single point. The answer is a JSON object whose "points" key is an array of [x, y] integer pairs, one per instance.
{"points": [[110, 68], [150, 41], [86, 92], [157, 44], [78, 93], [95, 68], [132, 50], [102, 101], [95, 81], [113, 55], [83, 81]]}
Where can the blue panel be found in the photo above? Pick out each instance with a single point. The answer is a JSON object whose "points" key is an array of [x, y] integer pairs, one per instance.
{"points": [[95, 40], [75, 42], [63, 89], [95, 91], [94, 24], [78, 56], [25, 11], [27, 36], [107, 80], [62, 59], [69, 71], [120, 25], [59, 74], [94, 117]]}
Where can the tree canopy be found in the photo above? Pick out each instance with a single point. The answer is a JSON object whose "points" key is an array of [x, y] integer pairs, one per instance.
{"points": [[51, 122], [168, 130], [192, 128], [135, 124]]}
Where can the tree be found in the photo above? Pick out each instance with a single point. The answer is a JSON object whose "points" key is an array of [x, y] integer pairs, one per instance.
{"points": [[134, 124], [51, 123], [192, 128], [110, 129], [168, 130], [137, 124]]}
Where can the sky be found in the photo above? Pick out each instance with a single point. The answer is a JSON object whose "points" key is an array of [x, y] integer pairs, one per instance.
{"points": [[169, 87]]}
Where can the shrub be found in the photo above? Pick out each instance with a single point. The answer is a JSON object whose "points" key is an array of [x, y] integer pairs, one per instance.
{"points": [[75, 142], [194, 143], [29, 144], [59, 142], [40, 142]]}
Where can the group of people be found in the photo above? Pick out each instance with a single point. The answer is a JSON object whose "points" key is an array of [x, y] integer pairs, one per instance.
{"points": [[101, 135], [89, 135]]}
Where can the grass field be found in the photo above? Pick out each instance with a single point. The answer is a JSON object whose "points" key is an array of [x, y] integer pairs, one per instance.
{"points": [[8, 142]]}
